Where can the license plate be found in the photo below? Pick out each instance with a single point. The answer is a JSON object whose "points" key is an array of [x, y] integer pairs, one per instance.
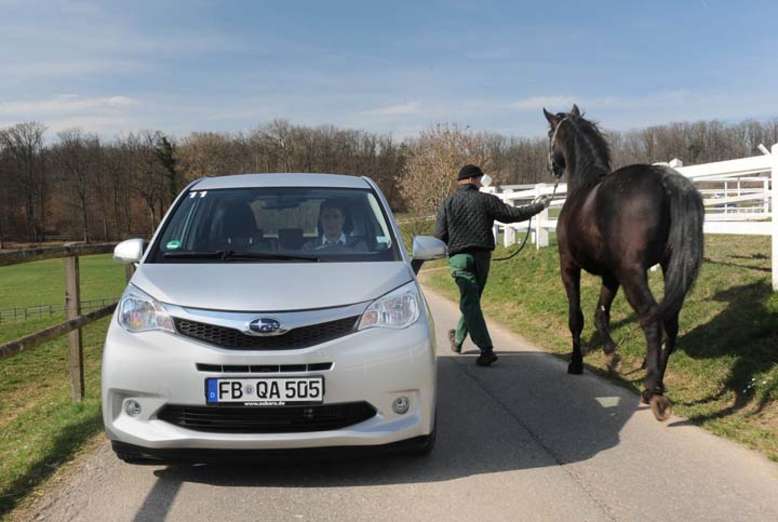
{"points": [[269, 391]]}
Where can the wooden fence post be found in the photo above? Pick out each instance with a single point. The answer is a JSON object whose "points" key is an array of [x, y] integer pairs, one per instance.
{"points": [[73, 310], [774, 213]]}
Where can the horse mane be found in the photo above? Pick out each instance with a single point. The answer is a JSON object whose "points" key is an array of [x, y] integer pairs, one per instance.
{"points": [[592, 153]]}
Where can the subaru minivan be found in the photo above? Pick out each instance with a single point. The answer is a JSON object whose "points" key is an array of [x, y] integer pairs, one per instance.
{"points": [[271, 312]]}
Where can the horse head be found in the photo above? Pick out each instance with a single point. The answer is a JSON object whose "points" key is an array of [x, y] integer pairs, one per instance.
{"points": [[565, 151], [556, 152]]}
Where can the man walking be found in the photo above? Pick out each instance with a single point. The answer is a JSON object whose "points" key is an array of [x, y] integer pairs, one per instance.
{"points": [[465, 223]]}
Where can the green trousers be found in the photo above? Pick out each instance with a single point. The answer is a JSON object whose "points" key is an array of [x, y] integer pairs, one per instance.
{"points": [[470, 272]]}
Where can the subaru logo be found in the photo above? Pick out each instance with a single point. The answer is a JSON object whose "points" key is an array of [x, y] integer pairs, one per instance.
{"points": [[265, 326]]}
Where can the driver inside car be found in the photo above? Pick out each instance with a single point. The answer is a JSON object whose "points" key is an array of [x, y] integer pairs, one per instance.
{"points": [[334, 227]]}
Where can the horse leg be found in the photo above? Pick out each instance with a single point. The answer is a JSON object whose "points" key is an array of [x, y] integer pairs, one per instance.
{"points": [[571, 277], [602, 316], [660, 405], [671, 330], [640, 298]]}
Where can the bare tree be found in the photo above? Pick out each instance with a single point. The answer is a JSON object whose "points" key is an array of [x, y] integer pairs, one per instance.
{"points": [[77, 157], [206, 154], [434, 160], [123, 187], [147, 174], [24, 145]]}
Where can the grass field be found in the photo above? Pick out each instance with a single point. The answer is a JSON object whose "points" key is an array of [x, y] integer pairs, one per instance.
{"points": [[40, 426], [724, 373], [43, 282]]}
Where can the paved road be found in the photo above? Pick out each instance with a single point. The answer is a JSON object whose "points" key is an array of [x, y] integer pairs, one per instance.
{"points": [[519, 441]]}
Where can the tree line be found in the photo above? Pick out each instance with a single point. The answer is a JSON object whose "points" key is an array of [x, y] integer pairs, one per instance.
{"points": [[76, 185]]}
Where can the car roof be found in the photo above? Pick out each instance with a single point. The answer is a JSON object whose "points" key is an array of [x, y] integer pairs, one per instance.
{"points": [[280, 179]]}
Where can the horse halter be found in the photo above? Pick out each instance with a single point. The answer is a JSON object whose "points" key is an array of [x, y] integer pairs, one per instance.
{"points": [[553, 193], [552, 168]]}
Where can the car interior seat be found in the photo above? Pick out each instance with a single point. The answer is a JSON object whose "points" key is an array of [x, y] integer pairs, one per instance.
{"points": [[235, 228]]}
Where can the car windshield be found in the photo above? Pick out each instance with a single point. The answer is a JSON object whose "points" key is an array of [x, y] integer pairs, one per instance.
{"points": [[280, 225]]}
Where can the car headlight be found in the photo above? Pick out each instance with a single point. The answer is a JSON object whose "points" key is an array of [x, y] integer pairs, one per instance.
{"points": [[397, 309], [139, 312]]}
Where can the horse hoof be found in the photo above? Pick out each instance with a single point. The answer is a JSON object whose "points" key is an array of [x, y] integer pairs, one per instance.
{"points": [[575, 368], [612, 362], [661, 407]]}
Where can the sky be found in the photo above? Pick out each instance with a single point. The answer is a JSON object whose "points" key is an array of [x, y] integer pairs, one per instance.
{"points": [[392, 67]]}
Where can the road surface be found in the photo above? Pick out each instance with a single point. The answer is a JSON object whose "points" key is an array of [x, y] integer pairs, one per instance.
{"points": [[518, 441]]}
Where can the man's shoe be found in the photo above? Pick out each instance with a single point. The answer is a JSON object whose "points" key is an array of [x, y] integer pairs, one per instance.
{"points": [[452, 341], [486, 359]]}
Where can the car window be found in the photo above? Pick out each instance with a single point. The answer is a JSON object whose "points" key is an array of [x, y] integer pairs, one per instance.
{"points": [[276, 225]]}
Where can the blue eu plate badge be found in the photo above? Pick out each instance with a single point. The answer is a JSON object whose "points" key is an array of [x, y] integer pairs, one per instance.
{"points": [[212, 393]]}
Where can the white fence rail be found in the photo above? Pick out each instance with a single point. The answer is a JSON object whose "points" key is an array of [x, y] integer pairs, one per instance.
{"points": [[739, 195]]}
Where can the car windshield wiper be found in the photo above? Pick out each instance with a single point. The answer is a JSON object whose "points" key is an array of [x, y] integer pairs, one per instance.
{"points": [[236, 255], [195, 254], [232, 254]]}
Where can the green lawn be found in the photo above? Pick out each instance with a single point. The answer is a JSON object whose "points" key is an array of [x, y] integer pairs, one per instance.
{"points": [[43, 283], [724, 373], [40, 426]]}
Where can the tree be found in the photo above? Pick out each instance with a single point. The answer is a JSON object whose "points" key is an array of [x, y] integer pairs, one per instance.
{"points": [[166, 154], [77, 157], [122, 187], [206, 154], [23, 143], [434, 159]]}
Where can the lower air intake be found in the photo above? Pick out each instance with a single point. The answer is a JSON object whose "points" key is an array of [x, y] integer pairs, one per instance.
{"points": [[267, 419]]}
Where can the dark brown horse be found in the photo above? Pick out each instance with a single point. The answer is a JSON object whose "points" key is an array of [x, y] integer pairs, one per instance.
{"points": [[617, 225]]}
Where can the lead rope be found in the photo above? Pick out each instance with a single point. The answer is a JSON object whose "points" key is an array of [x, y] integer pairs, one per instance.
{"points": [[551, 170], [526, 235]]}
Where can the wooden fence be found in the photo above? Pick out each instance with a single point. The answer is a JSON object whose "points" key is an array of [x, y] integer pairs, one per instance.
{"points": [[74, 319]]}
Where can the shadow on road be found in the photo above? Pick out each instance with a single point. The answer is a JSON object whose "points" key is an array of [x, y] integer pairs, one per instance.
{"points": [[525, 412]]}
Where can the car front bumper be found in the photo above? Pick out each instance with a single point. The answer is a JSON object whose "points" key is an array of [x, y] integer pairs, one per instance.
{"points": [[376, 365]]}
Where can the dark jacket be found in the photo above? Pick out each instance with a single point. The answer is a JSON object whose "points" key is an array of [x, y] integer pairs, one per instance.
{"points": [[466, 218]]}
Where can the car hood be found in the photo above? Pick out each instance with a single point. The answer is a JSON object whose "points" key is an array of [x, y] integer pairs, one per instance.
{"points": [[266, 287]]}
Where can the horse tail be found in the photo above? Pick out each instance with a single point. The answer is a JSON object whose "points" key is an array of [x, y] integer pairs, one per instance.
{"points": [[685, 242]]}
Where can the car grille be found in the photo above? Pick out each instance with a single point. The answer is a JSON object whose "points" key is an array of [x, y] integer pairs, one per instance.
{"points": [[267, 419], [301, 337], [264, 368]]}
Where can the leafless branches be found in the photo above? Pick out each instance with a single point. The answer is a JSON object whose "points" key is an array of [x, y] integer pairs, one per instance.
{"points": [[75, 185]]}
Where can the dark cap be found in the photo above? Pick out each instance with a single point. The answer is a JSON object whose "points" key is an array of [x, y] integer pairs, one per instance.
{"points": [[469, 171]]}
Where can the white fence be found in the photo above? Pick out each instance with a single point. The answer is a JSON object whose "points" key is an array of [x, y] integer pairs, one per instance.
{"points": [[740, 198]]}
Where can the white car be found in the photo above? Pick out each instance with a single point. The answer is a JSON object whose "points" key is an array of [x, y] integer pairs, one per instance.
{"points": [[271, 312]]}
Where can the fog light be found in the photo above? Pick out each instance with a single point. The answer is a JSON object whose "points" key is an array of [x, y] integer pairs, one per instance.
{"points": [[401, 405], [132, 408]]}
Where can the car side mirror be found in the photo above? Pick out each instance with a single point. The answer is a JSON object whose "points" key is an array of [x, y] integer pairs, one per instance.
{"points": [[128, 251], [426, 248]]}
